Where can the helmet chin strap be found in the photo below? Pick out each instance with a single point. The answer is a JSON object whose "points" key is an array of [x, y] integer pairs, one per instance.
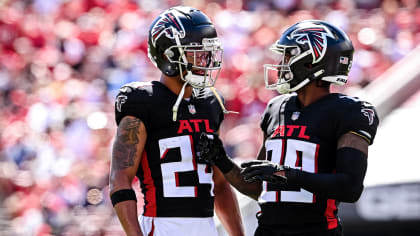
{"points": [[181, 93], [225, 111], [194, 80], [285, 88], [178, 101]]}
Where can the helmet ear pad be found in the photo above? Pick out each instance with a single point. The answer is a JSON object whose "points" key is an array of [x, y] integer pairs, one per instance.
{"points": [[169, 69], [302, 69]]}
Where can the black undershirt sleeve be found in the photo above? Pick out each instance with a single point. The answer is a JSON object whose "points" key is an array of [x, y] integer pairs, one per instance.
{"points": [[346, 185]]}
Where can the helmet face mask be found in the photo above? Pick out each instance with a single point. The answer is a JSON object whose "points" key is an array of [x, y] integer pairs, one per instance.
{"points": [[275, 75], [199, 64], [183, 42], [309, 50]]}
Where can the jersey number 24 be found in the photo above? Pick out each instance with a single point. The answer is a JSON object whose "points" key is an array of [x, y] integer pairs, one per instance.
{"points": [[171, 170]]}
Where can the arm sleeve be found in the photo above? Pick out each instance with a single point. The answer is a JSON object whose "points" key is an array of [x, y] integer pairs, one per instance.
{"points": [[131, 102], [346, 185]]}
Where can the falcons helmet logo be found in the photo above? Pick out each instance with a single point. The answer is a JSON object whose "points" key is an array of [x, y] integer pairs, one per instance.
{"points": [[316, 37], [169, 25]]}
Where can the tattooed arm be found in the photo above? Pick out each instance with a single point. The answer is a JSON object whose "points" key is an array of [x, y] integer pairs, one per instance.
{"points": [[126, 155], [235, 178], [226, 205], [261, 153], [252, 190], [211, 151]]}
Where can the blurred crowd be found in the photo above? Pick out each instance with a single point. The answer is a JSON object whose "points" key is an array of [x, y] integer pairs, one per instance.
{"points": [[63, 61]]}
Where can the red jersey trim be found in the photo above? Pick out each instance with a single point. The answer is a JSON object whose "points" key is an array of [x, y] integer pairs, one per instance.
{"points": [[152, 231], [150, 196], [316, 168], [194, 163], [332, 221]]}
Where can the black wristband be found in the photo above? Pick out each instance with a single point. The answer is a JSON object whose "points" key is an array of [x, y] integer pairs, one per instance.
{"points": [[225, 164], [123, 195]]}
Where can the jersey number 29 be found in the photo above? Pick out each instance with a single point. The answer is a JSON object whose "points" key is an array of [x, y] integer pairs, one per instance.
{"points": [[299, 154]]}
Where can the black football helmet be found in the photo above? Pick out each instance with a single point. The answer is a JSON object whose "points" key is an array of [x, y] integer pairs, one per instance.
{"points": [[310, 50], [183, 41]]}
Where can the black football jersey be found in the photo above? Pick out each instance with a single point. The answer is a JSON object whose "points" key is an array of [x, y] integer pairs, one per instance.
{"points": [[174, 184], [306, 139]]}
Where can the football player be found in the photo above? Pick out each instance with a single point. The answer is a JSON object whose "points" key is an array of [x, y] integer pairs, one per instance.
{"points": [[315, 148], [158, 125]]}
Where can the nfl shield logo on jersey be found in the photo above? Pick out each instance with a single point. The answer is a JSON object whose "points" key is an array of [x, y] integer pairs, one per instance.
{"points": [[295, 115], [192, 110]]}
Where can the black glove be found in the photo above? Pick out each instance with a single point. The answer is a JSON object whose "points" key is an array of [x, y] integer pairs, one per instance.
{"points": [[259, 170], [211, 151]]}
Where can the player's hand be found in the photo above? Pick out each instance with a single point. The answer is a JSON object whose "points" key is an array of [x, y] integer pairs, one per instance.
{"points": [[259, 170], [209, 149]]}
